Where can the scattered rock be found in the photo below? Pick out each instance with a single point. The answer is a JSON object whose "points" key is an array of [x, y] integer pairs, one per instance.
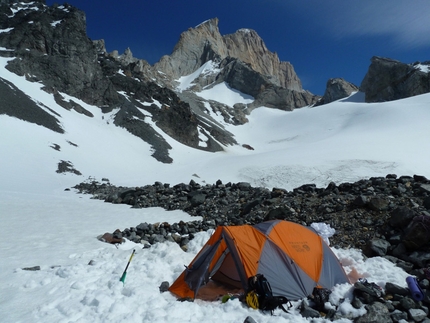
{"points": [[376, 313], [35, 268], [345, 207], [164, 287]]}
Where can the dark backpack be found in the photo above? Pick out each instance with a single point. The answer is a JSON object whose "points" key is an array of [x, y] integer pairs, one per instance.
{"points": [[258, 286]]}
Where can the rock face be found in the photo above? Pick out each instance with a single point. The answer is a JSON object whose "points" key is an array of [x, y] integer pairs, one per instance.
{"points": [[337, 89], [244, 62], [198, 45], [388, 80], [53, 47], [13, 97]]}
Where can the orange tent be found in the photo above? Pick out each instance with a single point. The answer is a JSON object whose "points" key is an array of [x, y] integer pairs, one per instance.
{"points": [[292, 257]]}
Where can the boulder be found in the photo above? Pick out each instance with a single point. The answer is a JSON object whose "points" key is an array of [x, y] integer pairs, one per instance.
{"points": [[417, 232], [376, 313], [402, 216], [336, 89], [388, 79], [110, 238], [377, 247]]}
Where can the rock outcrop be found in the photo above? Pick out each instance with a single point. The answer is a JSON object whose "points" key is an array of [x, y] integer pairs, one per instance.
{"points": [[336, 89], [388, 80]]}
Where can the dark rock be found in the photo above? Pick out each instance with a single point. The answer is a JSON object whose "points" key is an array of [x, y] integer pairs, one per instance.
{"points": [[402, 216], [278, 213], [397, 315], [307, 311], [67, 167], [420, 178], [378, 204], [407, 303], [406, 266], [336, 89], [419, 258], [425, 188], [249, 319], [244, 186], [249, 206], [399, 250], [376, 313], [417, 314], [356, 303], [426, 203], [197, 199], [164, 287], [388, 80], [17, 104], [247, 147], [391, 288], [360, 200], [34, 268], [417, 233], [110, 238], [377, 247]]}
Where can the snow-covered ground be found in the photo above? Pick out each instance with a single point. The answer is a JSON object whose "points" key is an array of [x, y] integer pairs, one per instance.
{"points": [[45, 225]]}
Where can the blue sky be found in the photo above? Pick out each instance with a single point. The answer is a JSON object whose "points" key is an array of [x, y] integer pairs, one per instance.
{"points": [[321, 39]]}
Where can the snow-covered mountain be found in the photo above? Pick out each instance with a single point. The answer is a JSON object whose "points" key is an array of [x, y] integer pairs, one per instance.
{"points": [[209, 99]]}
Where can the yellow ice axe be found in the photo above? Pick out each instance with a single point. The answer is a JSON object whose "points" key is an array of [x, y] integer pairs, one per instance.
{"points": [[125, 270]]}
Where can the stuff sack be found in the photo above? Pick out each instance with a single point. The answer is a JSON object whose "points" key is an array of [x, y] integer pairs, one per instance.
{"points": [[259, 295]]}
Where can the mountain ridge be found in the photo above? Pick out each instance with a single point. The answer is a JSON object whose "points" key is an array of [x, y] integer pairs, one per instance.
{"points": [[49, 45]]}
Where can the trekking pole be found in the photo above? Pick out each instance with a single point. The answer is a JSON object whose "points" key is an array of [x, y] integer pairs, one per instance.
{"points": [[122, 279]]}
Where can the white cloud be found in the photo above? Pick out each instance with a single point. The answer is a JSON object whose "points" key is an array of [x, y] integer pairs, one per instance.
{"points": [[403, 22], [407, 24]]}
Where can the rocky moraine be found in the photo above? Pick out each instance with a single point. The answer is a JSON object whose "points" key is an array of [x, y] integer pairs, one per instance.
{"points": [[384, 216]]}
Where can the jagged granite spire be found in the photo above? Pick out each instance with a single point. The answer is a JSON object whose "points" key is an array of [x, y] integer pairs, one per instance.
{"points": [[198, 45]]}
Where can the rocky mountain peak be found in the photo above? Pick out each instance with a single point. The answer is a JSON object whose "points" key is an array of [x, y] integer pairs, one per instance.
{"points": [[198, 45], [249, 47], [195, 47], [209, 26], [241, 60]]}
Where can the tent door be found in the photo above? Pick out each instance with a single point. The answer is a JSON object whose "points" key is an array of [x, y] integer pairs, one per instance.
{"points": [[227, 273]]}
